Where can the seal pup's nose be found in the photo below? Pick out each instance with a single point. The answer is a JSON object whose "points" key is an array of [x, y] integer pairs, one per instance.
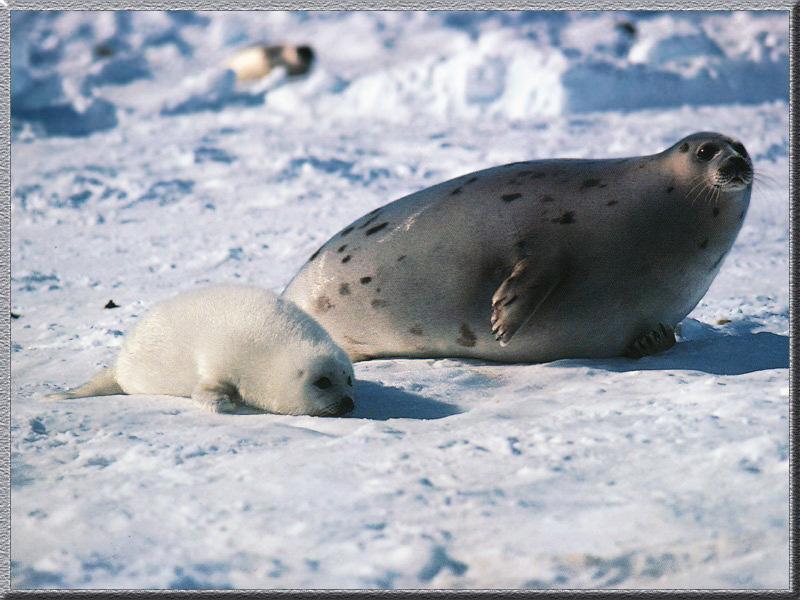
{"points": [[345, 406]]}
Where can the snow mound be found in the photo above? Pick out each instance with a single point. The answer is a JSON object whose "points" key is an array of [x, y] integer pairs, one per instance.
{"points": [[69, 69]]}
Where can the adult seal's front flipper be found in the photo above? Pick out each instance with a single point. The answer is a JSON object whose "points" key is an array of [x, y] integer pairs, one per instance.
{"points": [[520, 295]]}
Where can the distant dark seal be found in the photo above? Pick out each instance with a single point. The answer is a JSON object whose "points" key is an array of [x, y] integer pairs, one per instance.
{"points": [[535, 261]]}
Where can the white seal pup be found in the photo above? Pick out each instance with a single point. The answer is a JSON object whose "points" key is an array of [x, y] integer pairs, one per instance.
{"points": [[535, 261], [256, 62], [231, 344]]}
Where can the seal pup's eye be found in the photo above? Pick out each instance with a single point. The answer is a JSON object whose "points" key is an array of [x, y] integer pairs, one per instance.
{"points": [[707, 151], [322, 383]]}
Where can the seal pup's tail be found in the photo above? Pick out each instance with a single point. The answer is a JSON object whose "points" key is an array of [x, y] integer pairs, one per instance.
{"points": [[104, 383]]}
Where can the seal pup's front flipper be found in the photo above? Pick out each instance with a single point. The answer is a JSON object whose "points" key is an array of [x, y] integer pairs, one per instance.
{"points": [[660, 339], [520, 295], [215, 396]]}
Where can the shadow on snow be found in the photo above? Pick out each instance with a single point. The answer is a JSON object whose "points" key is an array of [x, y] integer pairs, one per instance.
{"points": [[733, 352], [380, 402]]}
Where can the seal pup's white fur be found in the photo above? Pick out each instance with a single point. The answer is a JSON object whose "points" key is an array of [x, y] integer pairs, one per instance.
{"points": [[227, 344]]}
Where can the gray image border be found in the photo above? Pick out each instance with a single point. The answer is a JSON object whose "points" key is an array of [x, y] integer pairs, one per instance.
{"points": [[5, 268]]}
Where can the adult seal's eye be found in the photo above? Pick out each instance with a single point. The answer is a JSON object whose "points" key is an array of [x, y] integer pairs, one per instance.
{"points": [[323, 383], [740, 149], [707, 151]]}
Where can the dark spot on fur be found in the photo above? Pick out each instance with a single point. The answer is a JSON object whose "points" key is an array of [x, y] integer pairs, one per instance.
{"points": [[367, 222], [455, 191], [565, 219], [377, 290], [375, 229], [587, 183], [342, 247], [378, 303], [401, 257], [467, 338], [346, 230], [641, 166], [471, 180], [416, 330], [511, 197], [354, 341], [715, 211], [741, 215], [365, 280], [15, 315], [344, 289], [547, 198], [315, 255], [324, 304], [109, 304], [602, 185], [704, 244], [611, 203], [670, 189], [684, 147], [300, 373], [346, 259]]}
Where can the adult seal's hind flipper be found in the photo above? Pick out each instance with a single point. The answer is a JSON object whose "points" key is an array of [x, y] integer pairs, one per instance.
{"points": [[520, 294], [658, 340]]}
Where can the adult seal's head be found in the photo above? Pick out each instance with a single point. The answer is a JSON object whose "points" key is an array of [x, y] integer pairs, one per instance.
{"points": [[716, 163], [535, 260]]}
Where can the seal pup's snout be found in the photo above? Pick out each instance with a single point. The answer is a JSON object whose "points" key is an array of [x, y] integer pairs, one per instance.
{"points": [[339, 408], [345, 405]]}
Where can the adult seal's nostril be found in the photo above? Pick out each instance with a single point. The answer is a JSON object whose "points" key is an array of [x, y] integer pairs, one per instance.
{"points": [[739, 167], [346, 405]]}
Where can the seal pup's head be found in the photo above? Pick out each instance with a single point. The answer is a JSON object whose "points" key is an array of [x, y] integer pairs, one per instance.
{"points": [[307, 372], [327, 385], [716, 163]]}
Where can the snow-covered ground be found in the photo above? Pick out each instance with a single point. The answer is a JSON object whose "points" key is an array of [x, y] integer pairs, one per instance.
{"points": [[140, 168]]}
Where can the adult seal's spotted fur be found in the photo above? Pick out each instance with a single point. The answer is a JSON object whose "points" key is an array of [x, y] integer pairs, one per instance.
{"points": [[535, 261], [226, 345]]}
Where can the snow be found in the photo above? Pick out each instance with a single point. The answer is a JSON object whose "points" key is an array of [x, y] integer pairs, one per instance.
{"points": [[140, 168]]}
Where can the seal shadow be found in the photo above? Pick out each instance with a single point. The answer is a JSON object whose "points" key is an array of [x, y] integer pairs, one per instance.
{"points": [[733, 351], [380, 403]]}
